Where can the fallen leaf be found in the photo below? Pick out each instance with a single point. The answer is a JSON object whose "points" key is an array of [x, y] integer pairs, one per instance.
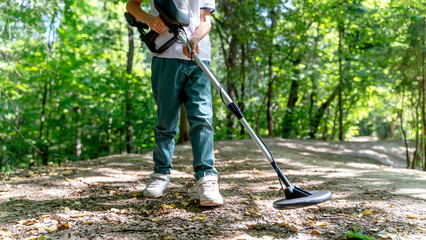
{"points": [[52, 228], [315, 232], [178, 196], [321, 224], [77, 216], [219, 220], [294, 228], [136, 194], [63, 225], [115, 210], [88, 223], [238, 218], [146, 213], [164, 206], [255, 171], [68, 180], [200, 217], [367, 212], [411, 217], [216, 151], [31, 222], [157, 219]]}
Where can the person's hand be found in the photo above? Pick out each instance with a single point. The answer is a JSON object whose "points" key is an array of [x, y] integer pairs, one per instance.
{"points": [[157, 24], [193, 43]]}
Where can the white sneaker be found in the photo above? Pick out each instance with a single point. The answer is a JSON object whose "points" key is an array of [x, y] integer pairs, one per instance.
{"points": [[208, 191], [156, 185]]}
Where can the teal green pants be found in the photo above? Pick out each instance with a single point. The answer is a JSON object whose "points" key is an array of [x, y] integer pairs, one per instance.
{"points": [[176, 82]]}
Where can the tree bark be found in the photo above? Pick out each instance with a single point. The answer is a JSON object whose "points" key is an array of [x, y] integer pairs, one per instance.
{"points": [[423, 87], [416, 155], [269, 99], [243, 88], [78, 142], [183, 127], [43, 146], [273, 16], [316, 120], [404, 134], [291, 104], [340, 103], [128, 94], [231, 76]]}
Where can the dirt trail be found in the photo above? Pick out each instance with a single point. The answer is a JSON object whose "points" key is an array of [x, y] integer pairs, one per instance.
{"points": [[101, 198]]}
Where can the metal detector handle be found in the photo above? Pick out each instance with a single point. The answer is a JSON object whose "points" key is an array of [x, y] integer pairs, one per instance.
{"points": [[229, 102]]}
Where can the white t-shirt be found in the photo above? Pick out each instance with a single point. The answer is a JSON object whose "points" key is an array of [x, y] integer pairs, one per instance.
{"points": [[175, 51]]}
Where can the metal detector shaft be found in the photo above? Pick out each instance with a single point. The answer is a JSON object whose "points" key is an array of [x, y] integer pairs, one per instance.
{"points": [[232, 105]]}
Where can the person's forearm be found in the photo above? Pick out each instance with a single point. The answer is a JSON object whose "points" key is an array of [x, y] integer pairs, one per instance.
{"points": [[134, 8], [202, 30], [155, 23]]}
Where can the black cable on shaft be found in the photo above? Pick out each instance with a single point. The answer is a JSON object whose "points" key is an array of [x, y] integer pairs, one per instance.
{"points": [[273, 160]]}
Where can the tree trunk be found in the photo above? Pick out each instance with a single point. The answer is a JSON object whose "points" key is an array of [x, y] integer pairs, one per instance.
{"points": [[340, 103], [316, 119], [183, 126], [273, 16], [44, 147], [292, 99], [404, 134], [418, 142], [269, 98], [335, 120], [129, 108], [325, 130], [231, 76], [78, 142], [423, 87], [243, 88]]}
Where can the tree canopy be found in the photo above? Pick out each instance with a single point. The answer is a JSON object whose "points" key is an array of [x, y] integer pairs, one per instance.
{"points": [[75, 79]]}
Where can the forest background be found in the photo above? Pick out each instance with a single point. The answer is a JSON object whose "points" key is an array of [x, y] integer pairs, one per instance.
{"points": [[75, 79]]}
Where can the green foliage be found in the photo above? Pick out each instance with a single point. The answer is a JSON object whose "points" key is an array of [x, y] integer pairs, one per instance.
{"points": [[356, 234]]}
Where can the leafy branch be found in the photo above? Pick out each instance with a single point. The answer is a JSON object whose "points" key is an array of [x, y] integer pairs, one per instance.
{"points": [[7, 56], [16, 129]]}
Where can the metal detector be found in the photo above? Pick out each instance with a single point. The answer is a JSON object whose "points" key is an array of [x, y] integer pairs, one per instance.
{"points": [[174, 13]]}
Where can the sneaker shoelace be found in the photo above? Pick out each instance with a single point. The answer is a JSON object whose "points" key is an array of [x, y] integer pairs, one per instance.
{"points": [[208, 186], [154, 181]]}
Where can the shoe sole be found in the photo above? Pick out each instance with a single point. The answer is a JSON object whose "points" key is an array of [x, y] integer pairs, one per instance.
{"points": [[210, 204], [155, 197]]}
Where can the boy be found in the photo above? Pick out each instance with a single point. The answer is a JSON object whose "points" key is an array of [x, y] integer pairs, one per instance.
{"points": [[177, 80]]}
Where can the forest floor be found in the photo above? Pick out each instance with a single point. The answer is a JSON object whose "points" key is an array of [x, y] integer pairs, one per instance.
{"points": [[102, 198]]}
